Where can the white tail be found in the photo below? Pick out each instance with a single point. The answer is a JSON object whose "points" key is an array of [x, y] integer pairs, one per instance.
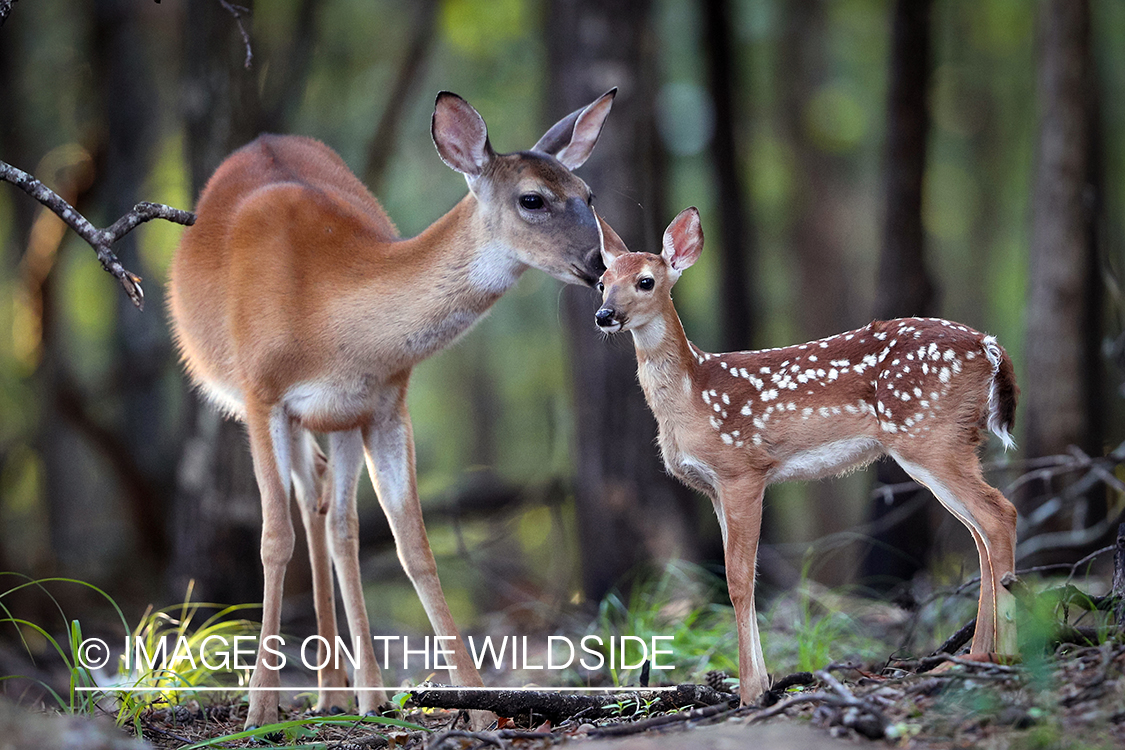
{"points": [[730, 424], [298, 308]]}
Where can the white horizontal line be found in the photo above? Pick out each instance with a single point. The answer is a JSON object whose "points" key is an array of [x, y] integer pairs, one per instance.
{"points": [[313, 689]]}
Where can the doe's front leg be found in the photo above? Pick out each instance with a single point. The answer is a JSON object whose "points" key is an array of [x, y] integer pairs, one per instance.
{"points": [[740, 503], [270, 448], [389, 443]]}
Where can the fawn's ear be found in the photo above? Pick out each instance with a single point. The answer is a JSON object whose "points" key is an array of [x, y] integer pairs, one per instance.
{"points": [[572, 139], [683, 240], [612, 245], [460, 135]]}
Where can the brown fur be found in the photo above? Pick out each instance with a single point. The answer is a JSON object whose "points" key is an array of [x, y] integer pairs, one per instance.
{"points": [[298, 308]]}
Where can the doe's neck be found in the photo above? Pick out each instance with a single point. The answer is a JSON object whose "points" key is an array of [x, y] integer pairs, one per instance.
{"points": [[466, 258]]}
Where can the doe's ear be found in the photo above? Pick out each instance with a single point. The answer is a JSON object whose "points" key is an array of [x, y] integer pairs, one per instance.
{"points": [[572, 139], [613, 247], [683, 240], [460, 135]]}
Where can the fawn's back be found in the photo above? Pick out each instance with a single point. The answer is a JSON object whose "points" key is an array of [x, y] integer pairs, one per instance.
{"points": [[818, 408]]}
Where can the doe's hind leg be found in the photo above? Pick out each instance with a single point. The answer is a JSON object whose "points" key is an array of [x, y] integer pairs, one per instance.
{"points": [[312, 490]]}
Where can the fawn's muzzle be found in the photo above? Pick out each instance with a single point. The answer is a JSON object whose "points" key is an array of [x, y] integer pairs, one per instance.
{"points": [[605, 317]]}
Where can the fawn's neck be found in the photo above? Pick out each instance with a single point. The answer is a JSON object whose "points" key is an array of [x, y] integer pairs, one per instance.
{"points": [[666, 363]]}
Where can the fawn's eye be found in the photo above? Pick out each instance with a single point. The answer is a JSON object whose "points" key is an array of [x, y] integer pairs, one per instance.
{"points": [[646, 284], [601, 287], [531, 201]]}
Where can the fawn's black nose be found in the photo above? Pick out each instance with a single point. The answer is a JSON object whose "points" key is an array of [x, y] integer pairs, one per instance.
{"points": [[604, 316]]}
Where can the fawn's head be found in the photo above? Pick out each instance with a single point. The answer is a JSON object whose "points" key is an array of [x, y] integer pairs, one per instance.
{"points": [[635, 286], [533, 203]]}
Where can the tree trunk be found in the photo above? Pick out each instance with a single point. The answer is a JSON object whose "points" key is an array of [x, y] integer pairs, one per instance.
{"points": [[216, 517], [143, 348], [1060, 383], [904, 288], [628, 509], [822, 304], [736, 245]]}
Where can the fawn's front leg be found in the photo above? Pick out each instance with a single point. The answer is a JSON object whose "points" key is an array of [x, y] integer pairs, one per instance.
{"points": [[740, 503]]}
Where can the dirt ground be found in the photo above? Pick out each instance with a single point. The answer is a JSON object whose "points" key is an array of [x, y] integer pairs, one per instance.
{"points": [[1074, 698]]}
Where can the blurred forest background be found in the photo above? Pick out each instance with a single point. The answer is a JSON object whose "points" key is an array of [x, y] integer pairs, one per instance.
{"points": [[851, 159]]}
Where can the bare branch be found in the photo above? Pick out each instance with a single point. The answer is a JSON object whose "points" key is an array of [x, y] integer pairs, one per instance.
{"points": [[238, 12], [99, 239], [5, 9]]}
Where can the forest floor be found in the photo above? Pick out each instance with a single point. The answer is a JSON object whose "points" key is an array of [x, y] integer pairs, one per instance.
{"points": [[1074, 698], [1068, 692]]}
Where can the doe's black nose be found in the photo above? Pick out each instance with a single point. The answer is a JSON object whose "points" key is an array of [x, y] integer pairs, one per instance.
{"points": [[594, 264], [604, 316]]}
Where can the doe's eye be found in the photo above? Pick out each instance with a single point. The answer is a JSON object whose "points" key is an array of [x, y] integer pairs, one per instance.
{"points": [[601, 287], [646, 284], [531, 201]]}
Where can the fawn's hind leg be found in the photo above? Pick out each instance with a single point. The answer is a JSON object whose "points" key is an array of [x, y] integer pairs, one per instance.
{"points": [[955, 479]]}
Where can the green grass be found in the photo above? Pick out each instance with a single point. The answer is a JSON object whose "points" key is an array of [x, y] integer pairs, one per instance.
{"points": [[301, 731], [195, 644], [678, 603], [73, 701], [189, 624], [804, 630]]}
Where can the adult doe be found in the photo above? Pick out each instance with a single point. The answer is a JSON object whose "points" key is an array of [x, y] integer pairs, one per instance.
{"points": [[298, 309], [730, 424]]}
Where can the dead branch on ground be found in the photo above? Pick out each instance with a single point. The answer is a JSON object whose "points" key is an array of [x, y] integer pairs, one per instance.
{"points": [[557, 706]]}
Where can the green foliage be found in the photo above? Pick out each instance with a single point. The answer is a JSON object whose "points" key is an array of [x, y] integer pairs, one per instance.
{"points": [[131, 688], [804, 631], [302, 729], [189, 648], [78, 699], [812, 628], [632, 708], [679, 603]]}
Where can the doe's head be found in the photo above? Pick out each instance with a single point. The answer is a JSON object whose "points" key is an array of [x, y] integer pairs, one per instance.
{"points": [[533, 203], [636, 286]]}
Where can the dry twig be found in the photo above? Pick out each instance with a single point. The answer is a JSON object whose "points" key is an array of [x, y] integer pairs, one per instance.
{"points": [[99, 239], [5, 9], [238, 12]]}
